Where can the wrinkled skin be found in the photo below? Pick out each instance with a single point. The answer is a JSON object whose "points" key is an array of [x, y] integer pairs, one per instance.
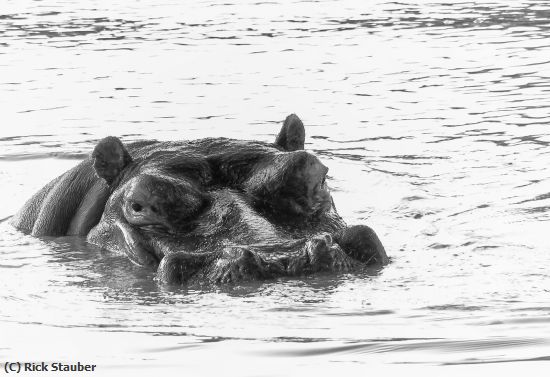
{"points": [[212, 210]]}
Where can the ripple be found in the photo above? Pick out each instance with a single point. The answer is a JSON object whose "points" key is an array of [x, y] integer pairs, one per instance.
{"points": [[492, 361], [408, 345], [453, 307]]}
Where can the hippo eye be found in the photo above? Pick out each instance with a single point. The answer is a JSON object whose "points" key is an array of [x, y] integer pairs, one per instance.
{"points": [[136, 207]]}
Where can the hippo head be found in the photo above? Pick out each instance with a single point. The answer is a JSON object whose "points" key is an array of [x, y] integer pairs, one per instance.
{"points": [[167, 198]]}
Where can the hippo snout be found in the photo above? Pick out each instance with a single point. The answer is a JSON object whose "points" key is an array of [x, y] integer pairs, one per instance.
{"points": [[161, 201]]}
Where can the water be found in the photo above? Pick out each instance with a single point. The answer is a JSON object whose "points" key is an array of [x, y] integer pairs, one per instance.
{"points": [[432, 118]]}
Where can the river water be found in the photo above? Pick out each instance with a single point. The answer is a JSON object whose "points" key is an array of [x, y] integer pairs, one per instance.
{"points": [[432, 118]]}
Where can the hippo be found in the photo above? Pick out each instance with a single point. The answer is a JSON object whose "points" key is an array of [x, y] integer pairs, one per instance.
{"points": [[213, 210]]}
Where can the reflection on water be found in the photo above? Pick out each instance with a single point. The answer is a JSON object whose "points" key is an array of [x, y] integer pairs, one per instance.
{"points": [[431, 117]]}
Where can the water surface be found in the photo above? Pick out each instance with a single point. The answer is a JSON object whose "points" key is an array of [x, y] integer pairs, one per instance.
{"points": [[432, 118]]}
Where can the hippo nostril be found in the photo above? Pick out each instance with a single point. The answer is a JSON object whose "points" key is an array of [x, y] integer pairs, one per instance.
{"points": [[137, 207], [154, 209]]}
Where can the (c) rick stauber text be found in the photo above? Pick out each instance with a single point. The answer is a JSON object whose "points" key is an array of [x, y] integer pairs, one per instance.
{"points": [[18, 367]]}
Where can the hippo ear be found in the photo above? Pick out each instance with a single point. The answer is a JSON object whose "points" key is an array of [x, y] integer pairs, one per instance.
{"points": [[292, 135], [110, 158]]}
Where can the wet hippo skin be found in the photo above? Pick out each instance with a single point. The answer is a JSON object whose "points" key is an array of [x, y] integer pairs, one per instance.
{"points": [[213, 210]]}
